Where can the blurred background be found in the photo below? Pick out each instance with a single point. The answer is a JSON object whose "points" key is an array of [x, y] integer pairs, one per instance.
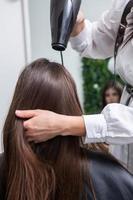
{"points": [[25, 36]]}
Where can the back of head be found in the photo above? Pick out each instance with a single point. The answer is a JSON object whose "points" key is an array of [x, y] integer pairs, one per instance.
{"points": [[51, 169]]}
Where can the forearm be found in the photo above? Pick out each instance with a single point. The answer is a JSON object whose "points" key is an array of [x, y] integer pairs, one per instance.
{"points": [[73, 125], [97, 39]]}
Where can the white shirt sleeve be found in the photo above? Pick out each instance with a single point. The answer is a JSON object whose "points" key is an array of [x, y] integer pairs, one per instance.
{"points": [[98, 38], [113, 126]]}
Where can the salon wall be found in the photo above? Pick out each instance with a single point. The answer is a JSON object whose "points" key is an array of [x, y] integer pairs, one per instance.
{"points": [[41, 39], [13, 51]]}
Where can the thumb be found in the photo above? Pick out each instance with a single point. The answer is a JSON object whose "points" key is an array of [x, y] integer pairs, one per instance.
{"points": [[26, 113]]}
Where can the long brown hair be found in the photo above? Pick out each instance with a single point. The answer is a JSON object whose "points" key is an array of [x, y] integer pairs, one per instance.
{"points": [[50, 170]]}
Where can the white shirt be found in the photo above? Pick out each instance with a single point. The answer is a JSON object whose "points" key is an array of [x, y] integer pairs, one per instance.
{"points": [[115, 124]]}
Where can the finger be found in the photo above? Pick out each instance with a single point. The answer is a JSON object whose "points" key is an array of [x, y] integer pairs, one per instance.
{"points": [[39, 140], [32, 134], [28, 133], [27, 124], [30, 139], [35, 140], [26, 113]]}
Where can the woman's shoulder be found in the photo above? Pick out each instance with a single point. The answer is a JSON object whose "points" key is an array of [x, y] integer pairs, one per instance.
{"points": [[102, 157], [110, 179]]}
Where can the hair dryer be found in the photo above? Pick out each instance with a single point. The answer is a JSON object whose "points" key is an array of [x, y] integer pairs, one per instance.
{"points": [[63, 17]]}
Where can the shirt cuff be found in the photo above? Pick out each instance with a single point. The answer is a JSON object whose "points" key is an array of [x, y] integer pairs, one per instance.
{"points": [[96, 128], [80, 40]]}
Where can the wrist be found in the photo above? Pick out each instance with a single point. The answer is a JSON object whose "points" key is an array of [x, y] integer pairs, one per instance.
{"points": [[78, 28], [74, 125]]}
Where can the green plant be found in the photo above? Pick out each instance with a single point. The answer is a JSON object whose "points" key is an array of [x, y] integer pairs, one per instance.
{"points": [[95, 76]]}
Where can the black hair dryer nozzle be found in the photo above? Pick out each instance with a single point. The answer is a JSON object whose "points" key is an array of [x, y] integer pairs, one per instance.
{"points": [[63, 16]]}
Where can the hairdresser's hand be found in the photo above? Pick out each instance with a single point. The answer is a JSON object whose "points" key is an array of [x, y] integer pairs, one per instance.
{"points": [[79, 26], [44, 125]]}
